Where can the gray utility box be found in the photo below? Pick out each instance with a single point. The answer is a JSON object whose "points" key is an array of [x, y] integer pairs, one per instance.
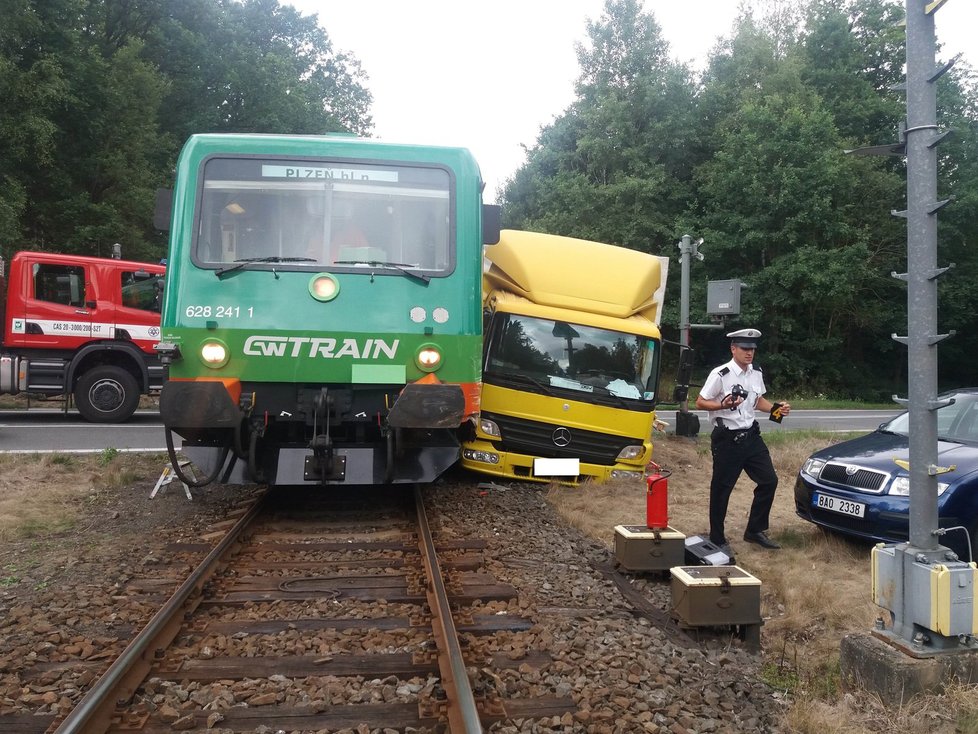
{"points": [[723, 297], [640, 548], [715, 595]]}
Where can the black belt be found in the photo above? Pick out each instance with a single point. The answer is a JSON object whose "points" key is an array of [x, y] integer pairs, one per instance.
{"points": [[720, 425]]}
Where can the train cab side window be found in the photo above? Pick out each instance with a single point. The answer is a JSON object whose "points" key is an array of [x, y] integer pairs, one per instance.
{"points": [[62, 284]]}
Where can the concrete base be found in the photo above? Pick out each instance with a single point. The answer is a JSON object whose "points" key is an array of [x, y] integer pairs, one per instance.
{"points": [[870, 664]]}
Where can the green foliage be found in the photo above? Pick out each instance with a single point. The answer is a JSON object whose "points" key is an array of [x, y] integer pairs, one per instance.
{"points": [[612, 168], [99, 97], [825, 682], [751, 157], [107, 455], [780, 677]]}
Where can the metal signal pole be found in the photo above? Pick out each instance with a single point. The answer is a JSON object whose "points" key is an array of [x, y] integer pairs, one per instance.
{"points": [[929, 617]]}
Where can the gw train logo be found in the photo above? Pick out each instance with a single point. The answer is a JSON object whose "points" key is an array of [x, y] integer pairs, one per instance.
{"points": [[319, 347]]}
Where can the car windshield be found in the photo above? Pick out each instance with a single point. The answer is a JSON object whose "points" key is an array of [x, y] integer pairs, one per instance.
{"points": [[955, 422]]}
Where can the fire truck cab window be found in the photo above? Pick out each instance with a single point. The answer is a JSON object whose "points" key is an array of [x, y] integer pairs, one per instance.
{"points": [[142, 291], [63, 284]]}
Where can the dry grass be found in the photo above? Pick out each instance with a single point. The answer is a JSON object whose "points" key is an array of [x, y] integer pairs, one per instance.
{"points": [[41, 494], [814, 591]]}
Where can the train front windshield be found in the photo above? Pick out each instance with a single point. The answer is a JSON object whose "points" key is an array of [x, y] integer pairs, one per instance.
{"points": [[572, 359], [337, 215]]}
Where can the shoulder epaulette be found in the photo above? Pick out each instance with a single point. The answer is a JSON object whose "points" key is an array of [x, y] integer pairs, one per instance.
{"points": [[724, 371]]}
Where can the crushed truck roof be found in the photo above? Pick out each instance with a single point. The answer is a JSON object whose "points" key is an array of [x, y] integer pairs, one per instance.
{"points": [[565, 272]]}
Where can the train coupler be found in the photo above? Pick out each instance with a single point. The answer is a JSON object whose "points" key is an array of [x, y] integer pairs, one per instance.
{"points": [[324, 465]]}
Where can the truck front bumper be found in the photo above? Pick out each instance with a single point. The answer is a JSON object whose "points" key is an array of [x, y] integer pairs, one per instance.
{"points": [[486, 458]]}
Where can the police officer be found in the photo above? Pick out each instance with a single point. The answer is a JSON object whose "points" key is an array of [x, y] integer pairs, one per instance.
{"points": [[732, 394]]}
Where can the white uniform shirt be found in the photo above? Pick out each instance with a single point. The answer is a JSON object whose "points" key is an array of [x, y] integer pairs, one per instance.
{"points": [[718, 385]]}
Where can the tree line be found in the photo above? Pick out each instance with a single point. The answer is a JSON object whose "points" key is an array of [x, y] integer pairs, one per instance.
{"points": [[748, 154], [99, 95]]}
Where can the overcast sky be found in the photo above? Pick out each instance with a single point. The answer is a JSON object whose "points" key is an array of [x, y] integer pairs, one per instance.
{"points": [[487, 76]]}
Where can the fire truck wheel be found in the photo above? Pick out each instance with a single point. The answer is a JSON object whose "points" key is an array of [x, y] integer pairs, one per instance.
{"points": [[106, 394]]}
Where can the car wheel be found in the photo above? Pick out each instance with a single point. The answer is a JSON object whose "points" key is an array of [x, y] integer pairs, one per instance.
{"points": [[106, 394]]}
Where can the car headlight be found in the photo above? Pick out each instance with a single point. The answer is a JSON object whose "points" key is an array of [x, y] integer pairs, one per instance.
{"points": [[489, 428], [901, 487], [812, 467]]}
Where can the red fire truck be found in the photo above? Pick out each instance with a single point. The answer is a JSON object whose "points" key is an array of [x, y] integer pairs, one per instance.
{"points": [[82, 327]]}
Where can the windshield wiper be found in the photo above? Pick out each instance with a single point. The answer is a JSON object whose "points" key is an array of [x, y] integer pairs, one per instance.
{"points": [[605, 392], [403, 267], [520, 377], [252, 260]]}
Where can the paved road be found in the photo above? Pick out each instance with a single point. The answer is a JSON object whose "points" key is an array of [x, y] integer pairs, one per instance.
{"points": [[50, 430], [47, 430], [820, 420]]}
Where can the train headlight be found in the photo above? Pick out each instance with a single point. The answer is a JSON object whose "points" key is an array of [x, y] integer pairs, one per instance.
{"points": [[428, 358], [214, 353], [324, 287]]}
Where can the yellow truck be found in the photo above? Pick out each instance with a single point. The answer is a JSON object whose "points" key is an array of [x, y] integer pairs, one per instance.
{"points": [[570, 359]]}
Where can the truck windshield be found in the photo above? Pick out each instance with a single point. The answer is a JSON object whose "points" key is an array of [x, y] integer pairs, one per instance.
{"points": [[573, 357], [316, 214]]}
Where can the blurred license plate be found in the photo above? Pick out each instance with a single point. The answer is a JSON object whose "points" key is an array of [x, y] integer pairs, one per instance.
{"points": [[556, 467], [835, 504]]}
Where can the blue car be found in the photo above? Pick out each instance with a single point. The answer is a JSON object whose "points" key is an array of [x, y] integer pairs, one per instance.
{"points": [[856, 487]]}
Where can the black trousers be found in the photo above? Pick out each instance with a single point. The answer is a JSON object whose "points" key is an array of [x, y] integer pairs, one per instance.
{"points": [[735, 452]]}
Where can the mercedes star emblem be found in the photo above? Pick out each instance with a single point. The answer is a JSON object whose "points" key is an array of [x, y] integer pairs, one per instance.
{"points": [[561, 437]]}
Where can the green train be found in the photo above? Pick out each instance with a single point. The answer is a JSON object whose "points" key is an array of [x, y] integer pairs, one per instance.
{"points": [[322, 318]]}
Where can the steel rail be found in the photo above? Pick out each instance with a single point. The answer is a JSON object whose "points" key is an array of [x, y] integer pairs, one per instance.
{"points": [[463, 714], [94, 712]]}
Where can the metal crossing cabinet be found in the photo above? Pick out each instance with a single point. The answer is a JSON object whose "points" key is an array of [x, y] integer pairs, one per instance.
{"points": [[640, 548], [718, 596]]}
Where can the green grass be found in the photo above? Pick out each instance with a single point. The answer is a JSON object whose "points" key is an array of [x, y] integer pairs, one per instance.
{"points": [[831, 404], [107, 455], [786, 438]]}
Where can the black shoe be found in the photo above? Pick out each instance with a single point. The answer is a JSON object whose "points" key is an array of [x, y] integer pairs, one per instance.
{"points": [[762, 540]]}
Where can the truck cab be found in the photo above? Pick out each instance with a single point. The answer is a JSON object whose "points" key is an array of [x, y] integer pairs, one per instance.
{"points": [[81, 326], [570, 359]]}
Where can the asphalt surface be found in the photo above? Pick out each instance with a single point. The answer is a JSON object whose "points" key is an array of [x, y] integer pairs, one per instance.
{"points": [[51, 430]]}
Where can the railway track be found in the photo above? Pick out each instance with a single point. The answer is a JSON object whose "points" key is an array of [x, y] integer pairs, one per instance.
{"points": [[320, 613]]}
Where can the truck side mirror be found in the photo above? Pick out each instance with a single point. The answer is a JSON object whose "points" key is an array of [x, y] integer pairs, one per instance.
{"points": [[492, 215], [683, 375]]}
